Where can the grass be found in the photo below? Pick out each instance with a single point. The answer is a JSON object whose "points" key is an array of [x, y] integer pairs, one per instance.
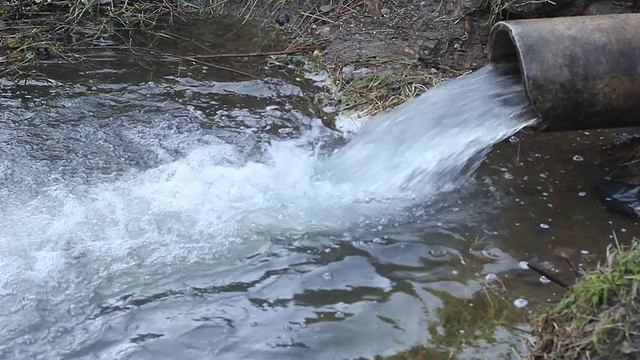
{"points": [[38, 32], [497, 8], [599, 318]]}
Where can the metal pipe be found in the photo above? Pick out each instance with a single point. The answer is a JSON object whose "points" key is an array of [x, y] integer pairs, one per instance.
{"points": [[579, 72]]}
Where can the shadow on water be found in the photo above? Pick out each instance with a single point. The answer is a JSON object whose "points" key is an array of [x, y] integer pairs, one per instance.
{"points": [[166, 212]]}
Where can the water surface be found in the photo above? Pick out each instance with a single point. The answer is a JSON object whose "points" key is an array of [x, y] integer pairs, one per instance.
{"points": [[165, 214]]}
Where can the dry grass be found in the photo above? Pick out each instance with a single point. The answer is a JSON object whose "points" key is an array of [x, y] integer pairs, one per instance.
{"points": [[497, 8], [384, 84]]}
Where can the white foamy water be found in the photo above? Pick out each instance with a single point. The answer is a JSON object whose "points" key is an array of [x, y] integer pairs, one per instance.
{"points": [[67, 245], [433, 143]]}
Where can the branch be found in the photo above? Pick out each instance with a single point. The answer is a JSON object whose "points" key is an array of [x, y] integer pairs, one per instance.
{"points": [[167, 55]]}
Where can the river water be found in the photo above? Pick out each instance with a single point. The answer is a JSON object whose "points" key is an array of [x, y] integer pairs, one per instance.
{"points": [[162, 215]]}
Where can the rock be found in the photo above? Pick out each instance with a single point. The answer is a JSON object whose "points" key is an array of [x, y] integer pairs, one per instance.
{"points": [[283, 19], [327, 8], [385, 12], [347, 71], [360, 73], [604, 8]]}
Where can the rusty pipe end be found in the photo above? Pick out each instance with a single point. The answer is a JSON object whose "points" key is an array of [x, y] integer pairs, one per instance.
{"points": [[504, 51], [578, 72]]}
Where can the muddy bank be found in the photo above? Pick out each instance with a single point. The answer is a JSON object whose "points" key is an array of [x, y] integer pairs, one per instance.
{"points": [[379, 53]]}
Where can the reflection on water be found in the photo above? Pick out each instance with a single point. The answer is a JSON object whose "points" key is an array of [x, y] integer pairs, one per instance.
{"points": [[167, 216]]}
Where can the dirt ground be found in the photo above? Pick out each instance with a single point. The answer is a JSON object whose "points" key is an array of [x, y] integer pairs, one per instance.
{"points": [[382, 52]]}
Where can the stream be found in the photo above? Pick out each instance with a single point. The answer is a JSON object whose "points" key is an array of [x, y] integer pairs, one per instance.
{"points": [[163, 213]]}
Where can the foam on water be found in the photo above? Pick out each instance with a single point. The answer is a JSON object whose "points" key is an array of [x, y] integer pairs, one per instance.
{"points": [[70, 240]]}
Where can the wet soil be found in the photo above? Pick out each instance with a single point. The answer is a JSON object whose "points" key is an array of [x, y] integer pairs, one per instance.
{"points": [[444, 36]]}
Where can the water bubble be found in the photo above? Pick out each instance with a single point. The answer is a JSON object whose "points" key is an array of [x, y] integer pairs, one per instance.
{"points": [[523, 265], [327, 275], [577, 158], [545, 280], [513, 139], [520, 303], [582, 193], [584, 252], [507, 176], [378, 241], [455, 272], [437, 253], [544, 226], [623, 230]]}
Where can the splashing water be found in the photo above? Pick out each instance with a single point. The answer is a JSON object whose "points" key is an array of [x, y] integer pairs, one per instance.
{"points": [[433, 143], [69, 239]]}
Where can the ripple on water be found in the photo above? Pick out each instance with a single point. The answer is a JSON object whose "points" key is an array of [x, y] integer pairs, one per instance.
{"points": [[164, 218]]}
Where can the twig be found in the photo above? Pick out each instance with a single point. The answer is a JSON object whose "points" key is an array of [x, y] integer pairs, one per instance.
{"points": [[573, 267], [254, 54], [165, 54], [547, 274], [318, 17]]}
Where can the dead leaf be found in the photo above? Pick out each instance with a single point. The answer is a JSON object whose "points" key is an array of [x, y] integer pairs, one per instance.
{"points": [[14, 43], [371, 5], [564, 251], [467, 26]]}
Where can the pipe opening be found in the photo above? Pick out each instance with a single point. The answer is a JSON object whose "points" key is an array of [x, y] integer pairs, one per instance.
{"points": [[504, 53], [577, 72], [504, 56], [503, 47]]}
